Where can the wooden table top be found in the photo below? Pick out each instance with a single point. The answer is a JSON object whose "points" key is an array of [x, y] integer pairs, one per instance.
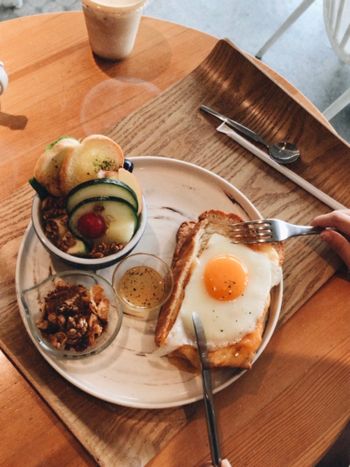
{"points": [[57, 87]]}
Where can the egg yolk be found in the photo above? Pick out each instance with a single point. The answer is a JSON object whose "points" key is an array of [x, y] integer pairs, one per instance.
{"points": [[225, 278]]}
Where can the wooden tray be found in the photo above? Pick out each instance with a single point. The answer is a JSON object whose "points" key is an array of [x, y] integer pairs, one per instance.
{"points": [[172, 126]]}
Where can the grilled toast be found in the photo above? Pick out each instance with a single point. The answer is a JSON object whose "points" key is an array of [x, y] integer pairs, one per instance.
{"points": [[192, 239], [95, 153], [47, 167]]}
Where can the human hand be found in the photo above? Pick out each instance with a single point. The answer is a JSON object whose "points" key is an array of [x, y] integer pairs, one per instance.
{"points": [[223, 463], [338, 241]]}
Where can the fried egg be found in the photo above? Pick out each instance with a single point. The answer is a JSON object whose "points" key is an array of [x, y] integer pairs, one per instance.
{"points": [[229, 288]]}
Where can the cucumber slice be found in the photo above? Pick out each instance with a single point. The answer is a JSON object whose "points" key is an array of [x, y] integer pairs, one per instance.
{"points": [[119, 231], [79, 249], [104, 187], [113, 210], [39, 188]]}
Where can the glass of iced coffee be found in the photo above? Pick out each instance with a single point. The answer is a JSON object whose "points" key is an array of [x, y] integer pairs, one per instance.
{"points": [[112, 26]]}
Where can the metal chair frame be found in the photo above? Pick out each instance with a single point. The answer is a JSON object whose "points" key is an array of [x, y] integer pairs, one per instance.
{"points": [[337, 24]]}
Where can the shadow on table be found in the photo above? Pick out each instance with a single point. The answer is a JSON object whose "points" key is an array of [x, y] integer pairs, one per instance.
{"points": [[158, 58], [339, 453], [13, 122]]}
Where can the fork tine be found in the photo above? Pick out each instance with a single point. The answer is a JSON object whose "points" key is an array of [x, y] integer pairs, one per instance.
{"points": [[239, 236], [255, 239], [248, 228], [252, 241], [251, 224], [237, 228], [260, 228], [265, 239], [258, 231], [256, 222], [251, 232], [258, 234]]}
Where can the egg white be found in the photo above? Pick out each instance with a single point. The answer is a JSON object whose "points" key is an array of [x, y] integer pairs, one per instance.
{"points": [[226, 322]]}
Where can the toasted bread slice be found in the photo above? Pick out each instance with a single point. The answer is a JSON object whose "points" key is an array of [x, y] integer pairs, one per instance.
{"points": [[95, 153], [192, 240], [47, 167]]}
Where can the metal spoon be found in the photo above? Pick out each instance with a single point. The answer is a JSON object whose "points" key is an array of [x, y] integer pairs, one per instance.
{"points": [[283, 152]]}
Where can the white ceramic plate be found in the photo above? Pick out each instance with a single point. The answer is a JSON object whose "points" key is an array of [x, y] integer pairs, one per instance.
{"points": [[126, 373]]}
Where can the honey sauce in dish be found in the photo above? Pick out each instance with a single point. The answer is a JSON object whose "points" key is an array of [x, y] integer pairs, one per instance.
{"points": [[142, 286]]}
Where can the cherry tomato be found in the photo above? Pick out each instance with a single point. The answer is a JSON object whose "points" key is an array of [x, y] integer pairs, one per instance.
{"points": [[91, 225]]}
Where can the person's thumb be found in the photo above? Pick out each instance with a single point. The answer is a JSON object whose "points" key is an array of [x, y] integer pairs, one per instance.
{"points": [[339, 244]]}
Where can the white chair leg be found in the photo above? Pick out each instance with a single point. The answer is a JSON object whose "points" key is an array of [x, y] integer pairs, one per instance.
{"points": [[337, 105], [288, 22]]}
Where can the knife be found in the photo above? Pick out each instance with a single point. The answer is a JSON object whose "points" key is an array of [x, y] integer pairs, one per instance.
{"points": [[207, 391], [230, 127], [232, 124]]}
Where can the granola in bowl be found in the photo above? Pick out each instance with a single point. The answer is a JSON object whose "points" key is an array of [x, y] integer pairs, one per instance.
{"points": [[73, 314], [73, 317]]}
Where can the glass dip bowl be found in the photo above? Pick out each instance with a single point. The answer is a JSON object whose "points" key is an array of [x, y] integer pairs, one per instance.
{"points": [[33, 300], [143, 283]]}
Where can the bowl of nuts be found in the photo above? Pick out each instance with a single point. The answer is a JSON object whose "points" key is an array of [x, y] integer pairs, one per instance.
{"points": [[72, 314]]}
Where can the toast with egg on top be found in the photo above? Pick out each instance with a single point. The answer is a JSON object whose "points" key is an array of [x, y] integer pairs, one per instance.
{"points": [[233, 327]]}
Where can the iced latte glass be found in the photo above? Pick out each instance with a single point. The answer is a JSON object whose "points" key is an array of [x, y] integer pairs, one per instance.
{"points": [[112, 26]]}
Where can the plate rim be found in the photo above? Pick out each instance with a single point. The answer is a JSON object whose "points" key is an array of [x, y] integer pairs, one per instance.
{"points": [[278, 292]]}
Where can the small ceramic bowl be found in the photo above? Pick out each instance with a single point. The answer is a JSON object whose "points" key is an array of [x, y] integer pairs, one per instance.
{"points": [[77, 261], [34, 297], [143, 260]]}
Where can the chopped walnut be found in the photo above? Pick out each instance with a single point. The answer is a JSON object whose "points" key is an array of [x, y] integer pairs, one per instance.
{"points": [[73, 317], [58, 340], [99, 304], [43, 324], [104, 249], [55, 222]]}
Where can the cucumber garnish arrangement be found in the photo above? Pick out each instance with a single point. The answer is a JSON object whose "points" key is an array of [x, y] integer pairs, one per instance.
{"points": [[39, 188]]}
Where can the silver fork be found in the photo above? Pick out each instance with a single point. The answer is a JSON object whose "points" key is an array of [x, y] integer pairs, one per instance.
{"points": [[269, 230]]}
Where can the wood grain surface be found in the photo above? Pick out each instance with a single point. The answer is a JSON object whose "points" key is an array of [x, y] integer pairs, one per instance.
{"points": [[307, 360], [53, 78], [23, 411], [278, 414], [171, 125], [58, 87]]}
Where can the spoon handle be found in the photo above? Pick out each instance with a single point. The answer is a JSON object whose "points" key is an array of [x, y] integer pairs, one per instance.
{"points": [[235, 125]]}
